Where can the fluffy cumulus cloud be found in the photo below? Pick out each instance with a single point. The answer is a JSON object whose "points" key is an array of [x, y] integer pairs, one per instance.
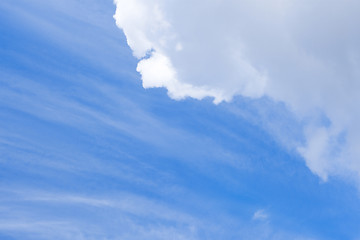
{"points": [[305, 53]]}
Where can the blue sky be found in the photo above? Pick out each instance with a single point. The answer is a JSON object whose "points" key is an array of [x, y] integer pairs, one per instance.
{"points": [[87, 153]]}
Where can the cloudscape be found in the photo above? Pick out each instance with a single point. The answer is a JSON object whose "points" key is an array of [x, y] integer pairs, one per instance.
{"points": [[169, 119]]}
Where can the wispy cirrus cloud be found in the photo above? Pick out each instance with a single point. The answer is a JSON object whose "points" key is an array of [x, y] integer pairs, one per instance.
{"points": [[133, 217]]}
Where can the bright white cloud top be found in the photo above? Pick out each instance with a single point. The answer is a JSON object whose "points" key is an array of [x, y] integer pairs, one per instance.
{"points": [[304, 53]]}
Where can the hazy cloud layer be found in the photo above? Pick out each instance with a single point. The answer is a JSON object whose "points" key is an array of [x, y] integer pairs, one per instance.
{"points": [[305, 53]]}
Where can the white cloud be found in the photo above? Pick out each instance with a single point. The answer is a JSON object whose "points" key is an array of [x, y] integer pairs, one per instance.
{"points": [[304, 53], [184, 57], [260, 215]]}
